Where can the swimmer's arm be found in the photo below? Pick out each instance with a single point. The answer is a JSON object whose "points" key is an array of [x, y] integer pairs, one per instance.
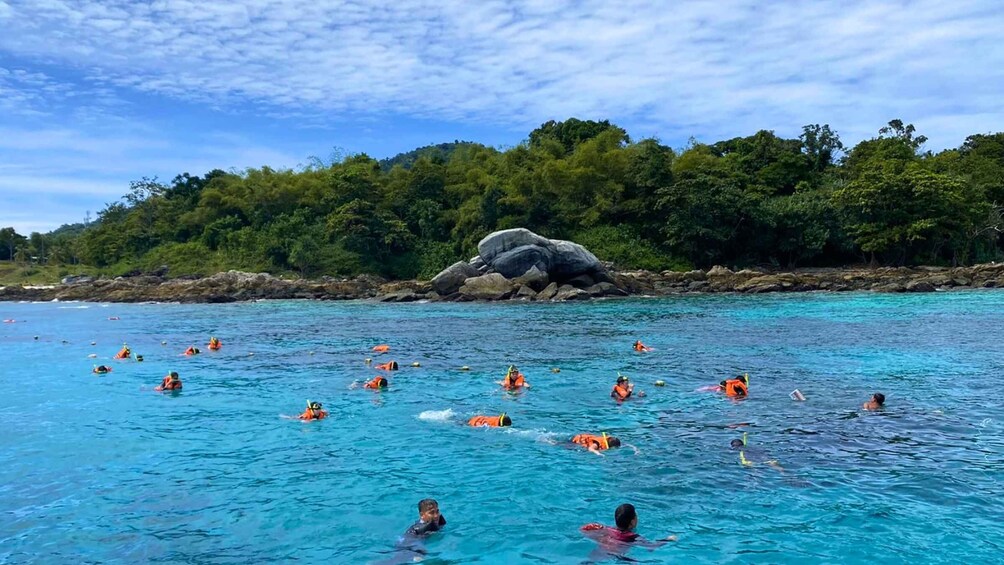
{"points": [[593, 449], [654, 544], [635, 449]]}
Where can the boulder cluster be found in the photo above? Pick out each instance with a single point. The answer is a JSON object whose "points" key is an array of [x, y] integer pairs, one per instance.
{"points": [[518, 263]]}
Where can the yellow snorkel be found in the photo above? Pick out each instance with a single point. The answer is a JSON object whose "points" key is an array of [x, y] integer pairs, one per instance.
{"points": [[501, 419], [606, 442]]}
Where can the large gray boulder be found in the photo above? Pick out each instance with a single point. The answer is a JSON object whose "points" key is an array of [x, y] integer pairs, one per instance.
{"points": [[499, 242], [533, 278], [450, 279], [571, 259], [492, 286], [515, 262]]}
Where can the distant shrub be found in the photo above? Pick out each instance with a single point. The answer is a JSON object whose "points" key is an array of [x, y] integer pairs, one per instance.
{"points": [[623, 247]]}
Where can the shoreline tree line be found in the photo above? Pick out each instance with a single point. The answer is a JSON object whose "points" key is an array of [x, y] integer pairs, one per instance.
{"points": [[760, 200]]}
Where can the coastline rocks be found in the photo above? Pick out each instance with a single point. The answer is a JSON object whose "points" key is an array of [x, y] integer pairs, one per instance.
{"points": [[533, 278], [569, 292], [517, 261], [450, 279], [499, 242], [492, 286]]}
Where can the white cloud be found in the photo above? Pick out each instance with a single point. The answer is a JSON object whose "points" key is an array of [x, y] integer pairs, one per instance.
{"points": [[712, 68]]}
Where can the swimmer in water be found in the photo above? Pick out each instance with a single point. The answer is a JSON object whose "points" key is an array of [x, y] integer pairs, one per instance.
{"points": [[600, 443], [313, 412], [877, 401], [514, 380], [735, 388], [101, 369], [430, 520], [171, 382], [378, 383], [192, 350], [624, 389], [639, 346], [615, 541], [499, 421], [756, 456], [124, 353], [388, 366], [214, 343]]}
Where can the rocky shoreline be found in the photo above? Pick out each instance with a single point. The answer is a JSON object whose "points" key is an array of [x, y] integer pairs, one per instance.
{"points": [[235, 286]]}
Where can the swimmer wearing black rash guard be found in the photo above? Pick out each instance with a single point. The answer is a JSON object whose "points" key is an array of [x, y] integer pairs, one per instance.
{"points": [[429, 519]]}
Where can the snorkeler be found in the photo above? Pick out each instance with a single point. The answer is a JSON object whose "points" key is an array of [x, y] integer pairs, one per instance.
{"points": [[377, 383], [514, 380], [170, 382], [737, 387], [313, 412], [614, 541], [381, 348], [597, 444], [214, 344], [756, 455], [876, 402], [192, 350], [639, 346], [499, 421], [124, 353], [101, 369], [624, 389], [388, 366]]}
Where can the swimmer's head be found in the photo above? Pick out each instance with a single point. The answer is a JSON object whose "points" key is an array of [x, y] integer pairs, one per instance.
{"points": [[621, 379], [174, 375], [381, 382], [878, 398], [428, 510], [313, 405], [736, 444], [504, 420], [613, 442], [626, 517], [743, 378]]}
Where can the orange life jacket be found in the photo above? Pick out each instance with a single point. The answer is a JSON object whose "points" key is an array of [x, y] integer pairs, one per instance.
{"points": [[735, 387], [388, 366], [375, 383], [124, 354], [510, 382], [585, 440], [490, 421], [639, 347], [620, 392], [314, 415], [215, 344], [381, 348], [190, 351], [168, 385]]}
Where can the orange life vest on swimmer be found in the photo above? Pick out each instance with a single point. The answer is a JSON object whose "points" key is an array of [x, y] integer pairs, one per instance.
{"points": [[620, 392], [381, 348], [214, 344], [585, 440], [388, 366], [376, 383], [191, 351], [736, 387], [513, 381], [169, 385], [123, 354], [490, 421], [638, 346], [314, 414]]}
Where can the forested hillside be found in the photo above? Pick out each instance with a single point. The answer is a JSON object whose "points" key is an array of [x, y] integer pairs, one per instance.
{"points": [[757, 200]]}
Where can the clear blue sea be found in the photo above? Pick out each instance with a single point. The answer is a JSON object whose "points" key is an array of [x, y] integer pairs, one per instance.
{"points": [[101, 469]]}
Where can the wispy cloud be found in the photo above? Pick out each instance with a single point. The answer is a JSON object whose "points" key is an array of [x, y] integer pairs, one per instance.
{"points": [[707, 69]]}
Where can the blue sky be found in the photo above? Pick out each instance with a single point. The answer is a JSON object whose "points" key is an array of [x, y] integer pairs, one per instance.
{"points": [[95, 94]]}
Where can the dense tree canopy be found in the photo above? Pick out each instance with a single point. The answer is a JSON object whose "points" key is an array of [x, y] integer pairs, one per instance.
{"points": [[757, 200]]}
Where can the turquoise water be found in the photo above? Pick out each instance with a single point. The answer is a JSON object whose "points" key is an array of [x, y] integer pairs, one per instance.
{"points": [[103, 469]]}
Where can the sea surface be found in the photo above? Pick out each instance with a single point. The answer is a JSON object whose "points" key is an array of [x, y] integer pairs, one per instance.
{"points": [[102, 469]]}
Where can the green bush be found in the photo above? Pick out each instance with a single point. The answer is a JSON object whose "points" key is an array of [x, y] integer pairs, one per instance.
{"points": [[192, 258], [620, 245]]}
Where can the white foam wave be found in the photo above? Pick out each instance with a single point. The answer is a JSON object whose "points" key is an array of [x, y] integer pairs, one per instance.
{"points": [[72, 307], [436, 415]]}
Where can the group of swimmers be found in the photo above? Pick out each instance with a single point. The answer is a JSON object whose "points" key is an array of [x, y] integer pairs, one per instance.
{"points": [[172, 381], [613, 540]]}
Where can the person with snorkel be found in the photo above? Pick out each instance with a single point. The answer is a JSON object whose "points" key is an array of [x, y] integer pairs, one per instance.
{"points": [[597, 444], [514, 380], [502, 420], [624, 389], [313, 412], [124, 353], [171, 382], [756, 454]]}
